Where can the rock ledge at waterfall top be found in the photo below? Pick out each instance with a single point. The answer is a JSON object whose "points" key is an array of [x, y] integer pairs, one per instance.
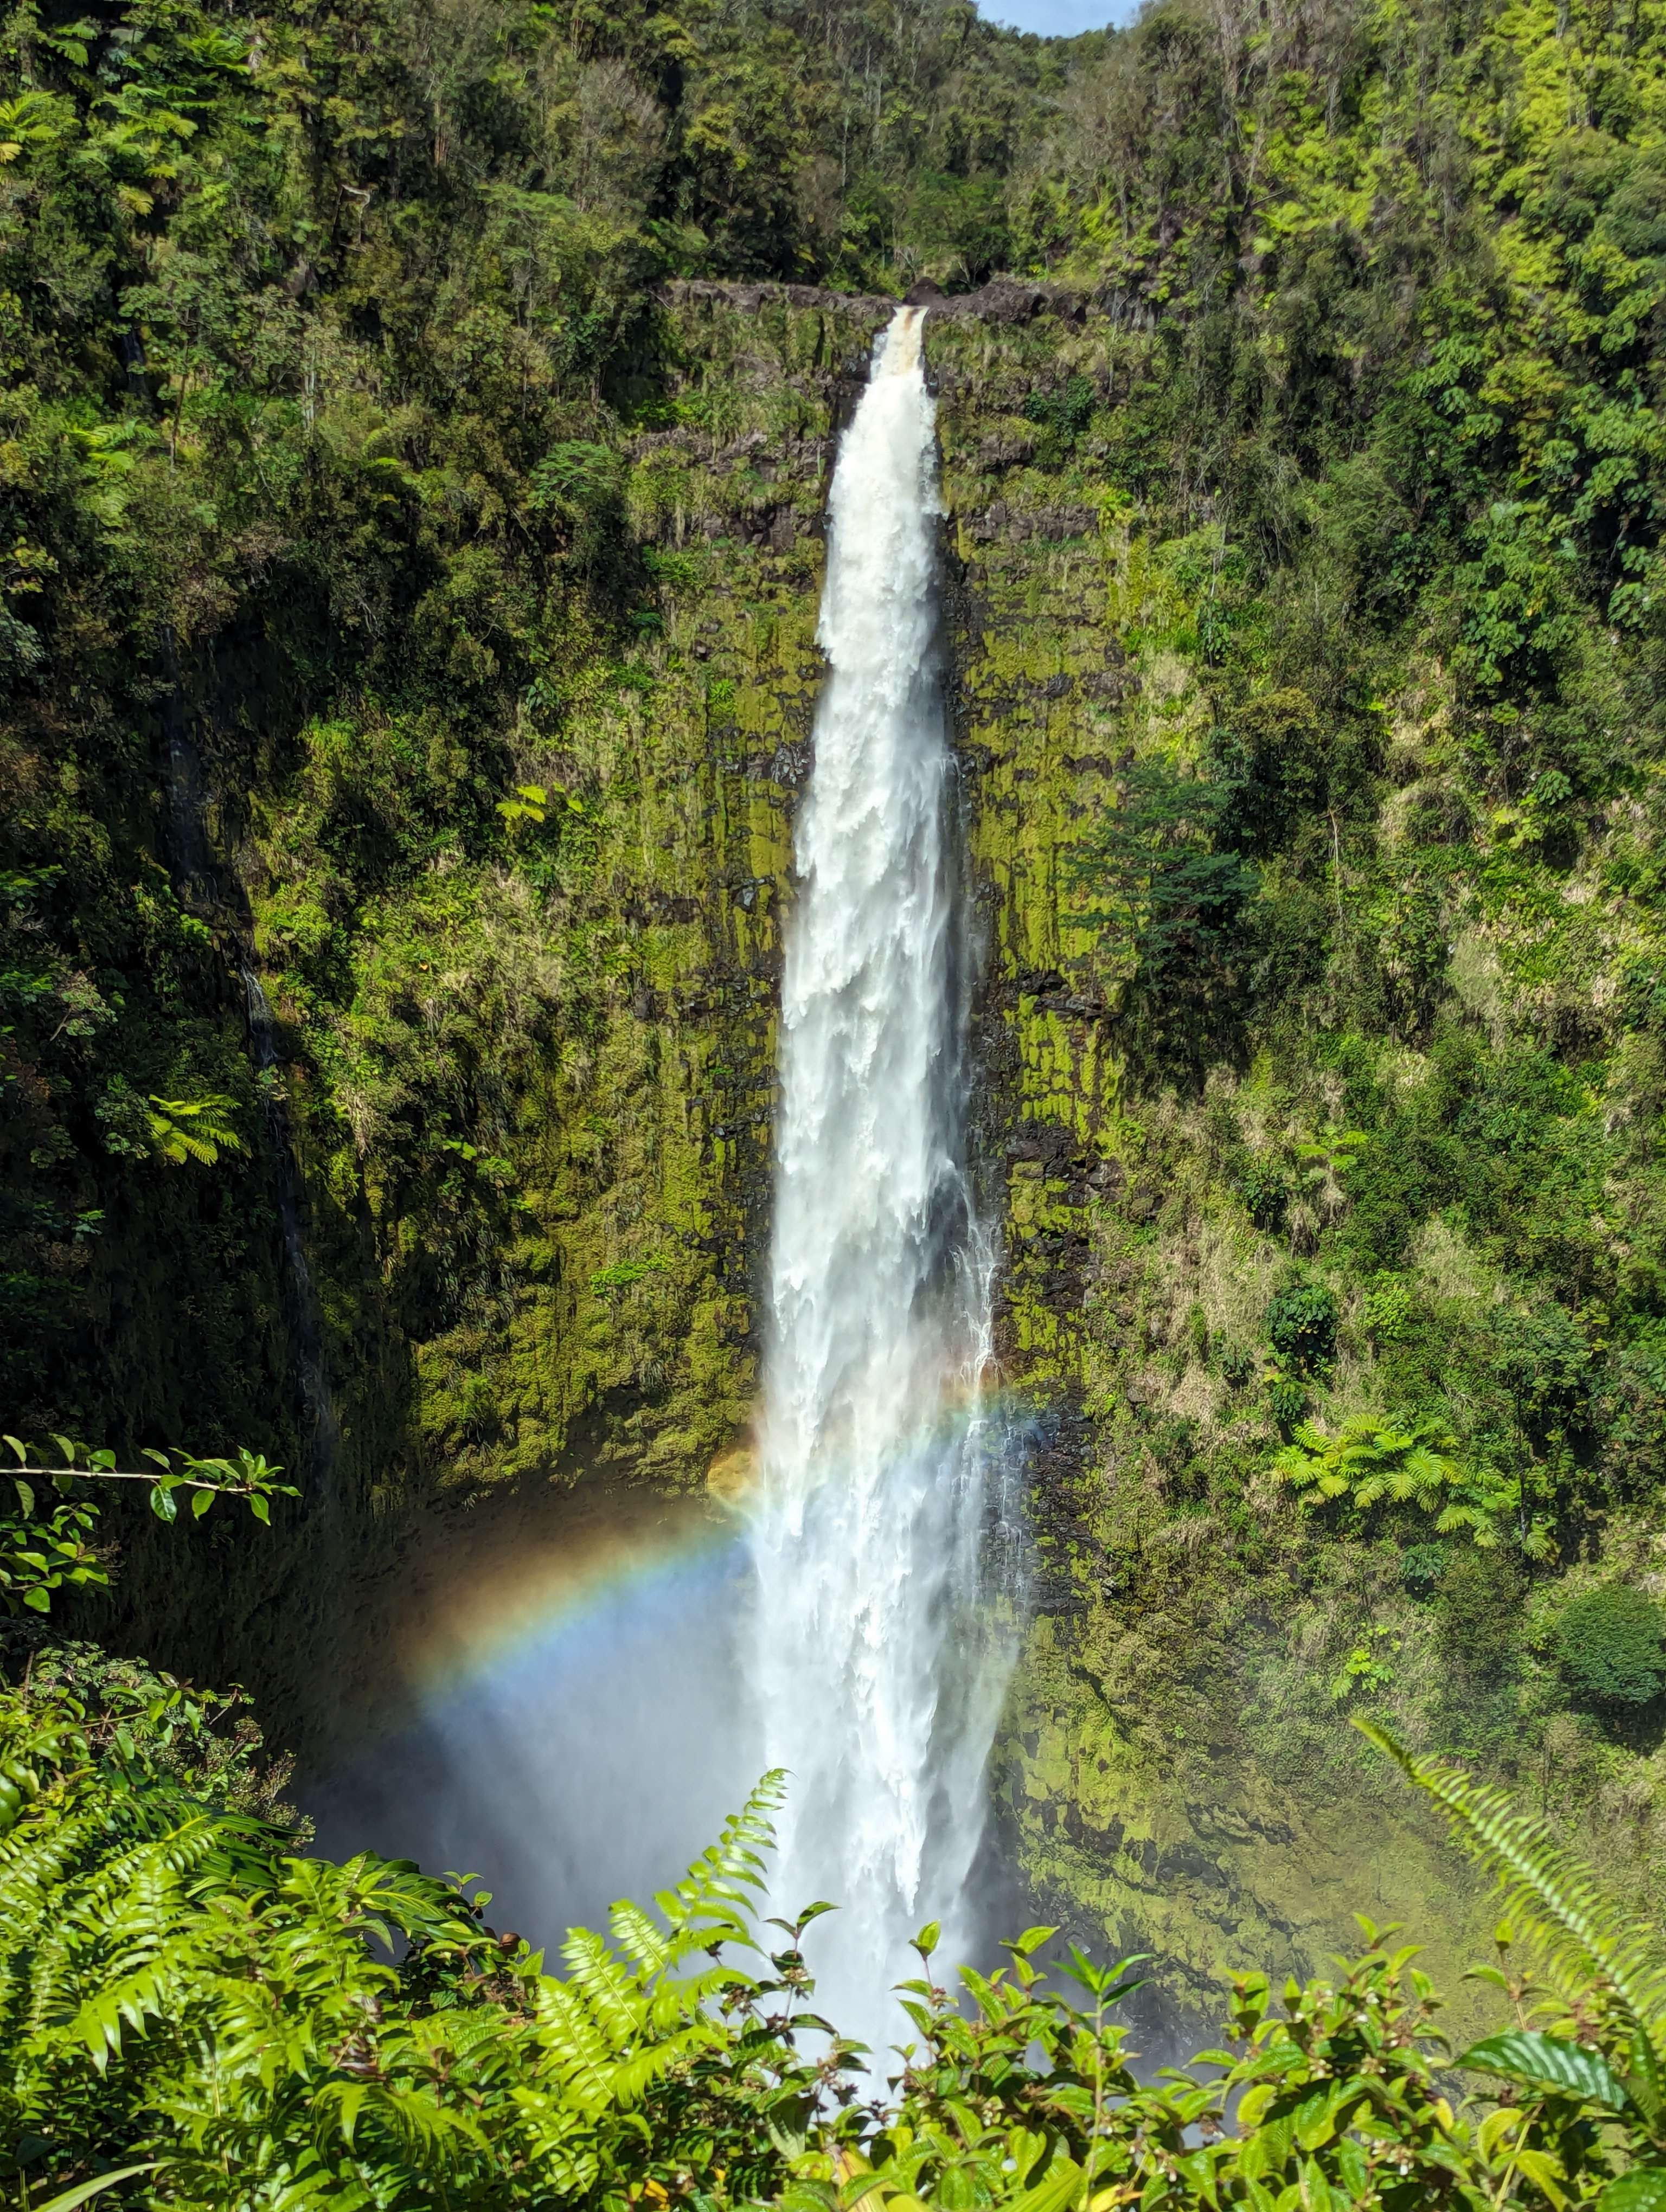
{"points": [[1002, 300]]}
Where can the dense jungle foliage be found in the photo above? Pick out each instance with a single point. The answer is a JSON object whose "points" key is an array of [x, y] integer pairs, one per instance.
{"points": [[341, 396], [1374, 1310]]}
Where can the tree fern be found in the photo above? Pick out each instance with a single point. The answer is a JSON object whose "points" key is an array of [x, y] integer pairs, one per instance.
{"points": [[1370, 1461], [593, 2026], [194, 1129]]}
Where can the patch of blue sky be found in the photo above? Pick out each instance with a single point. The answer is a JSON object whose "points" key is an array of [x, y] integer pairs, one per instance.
{"points": [[1060, 19]]}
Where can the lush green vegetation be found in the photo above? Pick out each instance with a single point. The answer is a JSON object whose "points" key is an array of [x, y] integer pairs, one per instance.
{"points": [[367, 509], [1370, 911], [194, 2015], [330, 340], [48, 1542]]}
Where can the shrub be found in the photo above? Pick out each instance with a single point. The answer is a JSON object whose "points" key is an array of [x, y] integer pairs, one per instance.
{"points": [[1610, 1648], [1238, 1364], [1387, 1309], [1286, 1401], [1066, 412], [1478, 1601], [182, 1995], [1265, 1189], [1301, 1326]]}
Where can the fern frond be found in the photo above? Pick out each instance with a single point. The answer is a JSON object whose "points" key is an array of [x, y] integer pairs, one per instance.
{"points": [[643, 1943], [612, 1993], [424, 2129], [1550, 1896], [714, 1898]]}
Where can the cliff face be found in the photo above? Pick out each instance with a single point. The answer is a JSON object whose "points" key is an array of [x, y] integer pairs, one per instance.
{"points": [[1176, 1768], [1144, 1807], [576, 1288], [629, 1335], [609, 982], [576, 1292], [524, 1077], [641, 1168]]}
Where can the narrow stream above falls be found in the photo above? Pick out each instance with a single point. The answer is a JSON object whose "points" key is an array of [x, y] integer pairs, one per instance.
{"points": [[585, 1722]]}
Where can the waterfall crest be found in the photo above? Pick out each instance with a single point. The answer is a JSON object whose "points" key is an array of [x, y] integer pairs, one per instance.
{"points": [[877, 1665]]}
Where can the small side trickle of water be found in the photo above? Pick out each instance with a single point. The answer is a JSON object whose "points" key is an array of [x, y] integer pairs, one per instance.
{"points": [[878, 1659]]}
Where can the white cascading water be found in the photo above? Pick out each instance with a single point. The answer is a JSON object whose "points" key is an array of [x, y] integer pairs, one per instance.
{"points": [[879, 1658]]}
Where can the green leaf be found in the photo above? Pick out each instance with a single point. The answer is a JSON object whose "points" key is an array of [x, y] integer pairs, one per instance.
{"points": [[1550, 2061], [1642, 2190], [38, 1599], [260, 1510], [1053, 2194], [1031, 1940], [1316, 2121], [79, 2195], [200, 1503], [1643, 2079], [1549, 1895], [1354, 2173], [163, 1504], [24, 1496]]}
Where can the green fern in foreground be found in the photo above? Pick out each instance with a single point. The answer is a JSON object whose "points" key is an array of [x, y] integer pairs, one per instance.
{"points": [[1587, 1942], [181, 1998], [192, 2017], [1605, 1969]]}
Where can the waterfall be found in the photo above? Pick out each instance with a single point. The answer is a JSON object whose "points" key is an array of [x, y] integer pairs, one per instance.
{"points": [[878, 1660]]}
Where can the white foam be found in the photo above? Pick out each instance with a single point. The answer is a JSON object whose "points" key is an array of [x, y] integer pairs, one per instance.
{"points": [[876, 1665]]}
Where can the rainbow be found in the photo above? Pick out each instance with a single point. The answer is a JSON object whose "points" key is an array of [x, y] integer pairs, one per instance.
{"points": [[562, 1591]]}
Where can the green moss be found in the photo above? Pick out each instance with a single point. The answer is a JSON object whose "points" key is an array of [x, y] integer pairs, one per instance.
{"points": [[1609, 1643]]}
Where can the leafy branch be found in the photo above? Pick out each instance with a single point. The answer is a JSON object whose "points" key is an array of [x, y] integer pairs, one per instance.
{"points": [[44, 1550]]}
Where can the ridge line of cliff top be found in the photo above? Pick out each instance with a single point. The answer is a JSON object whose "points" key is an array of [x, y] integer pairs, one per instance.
{"points": [[1003, 299]]}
